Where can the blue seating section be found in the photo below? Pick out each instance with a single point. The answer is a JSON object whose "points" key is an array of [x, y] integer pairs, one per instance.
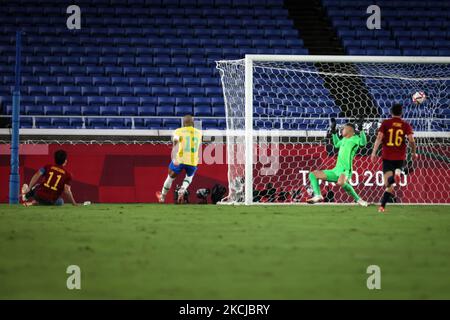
{"points": [[156, 58], [293, 99], [410, 28], [386, 90], [134, 58]]}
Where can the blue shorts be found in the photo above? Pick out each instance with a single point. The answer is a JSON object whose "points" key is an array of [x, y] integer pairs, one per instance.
{"points": [[190, 170]]}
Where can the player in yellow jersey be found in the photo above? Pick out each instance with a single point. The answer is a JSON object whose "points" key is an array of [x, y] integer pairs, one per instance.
{"points": [[186, 145]]}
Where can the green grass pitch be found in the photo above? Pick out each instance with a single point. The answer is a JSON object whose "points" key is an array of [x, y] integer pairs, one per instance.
{"points": [[224, 252]]}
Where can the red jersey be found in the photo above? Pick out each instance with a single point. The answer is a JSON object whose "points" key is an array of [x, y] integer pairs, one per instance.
{"points": [[394, 132], [54, 178]]}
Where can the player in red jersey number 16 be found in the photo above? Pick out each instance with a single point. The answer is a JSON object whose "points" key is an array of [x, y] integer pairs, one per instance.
{"points": [[392, 136]]}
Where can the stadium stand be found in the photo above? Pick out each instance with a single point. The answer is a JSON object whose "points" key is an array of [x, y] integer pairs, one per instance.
{"points": [[410, 28], [134, 58], [156, 58]]}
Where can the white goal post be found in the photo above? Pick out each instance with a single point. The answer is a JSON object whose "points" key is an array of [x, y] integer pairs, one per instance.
{"points": [[285, 102]]}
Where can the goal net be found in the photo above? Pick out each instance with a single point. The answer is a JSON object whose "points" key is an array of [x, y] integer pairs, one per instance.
{"points": [[278, 111]]}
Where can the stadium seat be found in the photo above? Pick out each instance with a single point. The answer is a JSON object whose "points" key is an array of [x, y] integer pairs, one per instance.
{"points": [[146, 111], [153, 123], [196, 92], [96, 101], [78, 101], [124, 91], [71, 110], [96, 123], [128, 111], [139, 91], [148, 101], [117, 123], [90, 111], [221, 124], [107, 91], [202, 110], [43, 123], [171, 123], [218, 111], [109, 111], [62, 123], [52, 110], [26, 122], [113, 101], [33, 110], [177, 91], [213, 91], [165, 111], [130, 101], [71, 90], [137, 81], [166, 101], [119, 81], [160, 91], [173, 81], [208, 124], [183, 110], [37, 91], [444, 52]]}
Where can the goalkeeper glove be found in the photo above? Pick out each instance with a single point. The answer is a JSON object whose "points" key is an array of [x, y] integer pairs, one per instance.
{"points": [[360, 124], [333, 125]]}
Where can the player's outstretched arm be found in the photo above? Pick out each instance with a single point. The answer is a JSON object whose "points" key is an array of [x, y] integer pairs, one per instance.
{"points": [[34, 179], [333, 125], [336, 141], [334, 136], [376, 145], [69, 195], [362, 138], [360, 131]]}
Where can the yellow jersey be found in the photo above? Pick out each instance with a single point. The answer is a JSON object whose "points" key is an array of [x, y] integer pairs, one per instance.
{"points": [[189, 141]]}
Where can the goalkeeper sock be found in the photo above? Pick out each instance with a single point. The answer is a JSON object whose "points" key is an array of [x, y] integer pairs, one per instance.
{"points": [[167, 185], [314, 184], [387, 196], [186, 182], [349, 189]]}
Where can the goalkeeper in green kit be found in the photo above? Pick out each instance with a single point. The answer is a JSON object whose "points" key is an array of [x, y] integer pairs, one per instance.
{"points": [[341, 173]]}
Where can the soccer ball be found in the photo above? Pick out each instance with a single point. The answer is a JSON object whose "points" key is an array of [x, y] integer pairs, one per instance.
{"points": [[419, 97]]}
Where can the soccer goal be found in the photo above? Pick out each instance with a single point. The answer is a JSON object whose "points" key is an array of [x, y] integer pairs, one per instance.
{"points": [[278, 111]]}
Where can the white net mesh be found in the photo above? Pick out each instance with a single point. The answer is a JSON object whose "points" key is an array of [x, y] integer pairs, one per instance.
{"points": [[292, 106]]}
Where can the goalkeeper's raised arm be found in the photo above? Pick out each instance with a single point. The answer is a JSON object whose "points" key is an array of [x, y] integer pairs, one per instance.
{"points": [[360, 132], [334, 136], [336, 140], [362, 138]]}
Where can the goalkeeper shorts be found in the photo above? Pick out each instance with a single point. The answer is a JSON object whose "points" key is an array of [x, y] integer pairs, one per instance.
{"points": [[334, 174], [190, 170]]}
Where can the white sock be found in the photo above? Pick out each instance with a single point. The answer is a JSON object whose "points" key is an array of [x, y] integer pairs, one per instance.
{"points": [[167, 185], [186, 182]]}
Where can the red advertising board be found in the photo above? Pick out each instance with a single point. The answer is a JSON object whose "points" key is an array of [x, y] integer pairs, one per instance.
{"points": [[133, 173]]}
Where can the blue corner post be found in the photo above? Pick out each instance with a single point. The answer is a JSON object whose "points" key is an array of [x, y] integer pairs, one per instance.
{"points": [[14, 178]]}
